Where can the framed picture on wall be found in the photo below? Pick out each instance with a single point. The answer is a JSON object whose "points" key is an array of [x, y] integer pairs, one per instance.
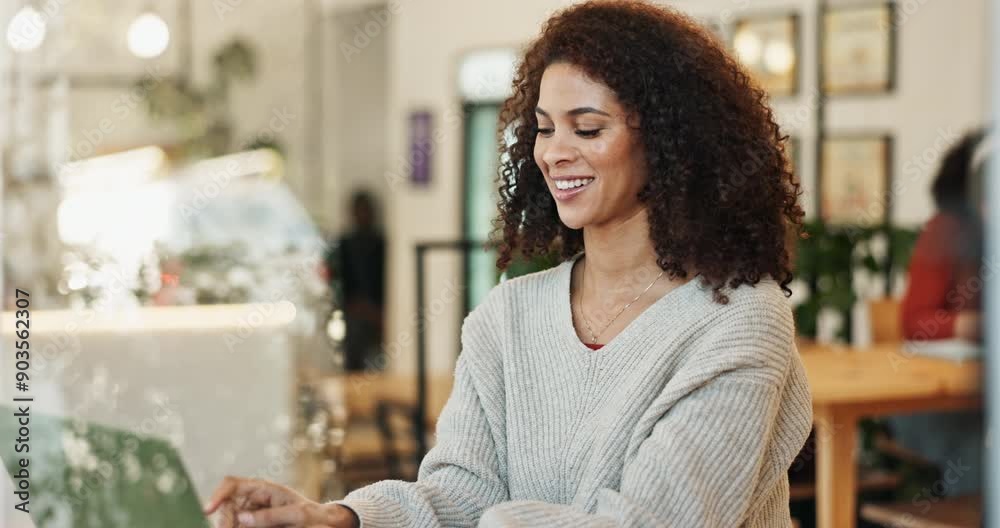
{"points": [[858, 49], [854, 179], [768, 46]]}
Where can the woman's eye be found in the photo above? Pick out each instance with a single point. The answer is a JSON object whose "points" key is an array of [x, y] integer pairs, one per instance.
{"points": [[588, 133], [545, 131]]}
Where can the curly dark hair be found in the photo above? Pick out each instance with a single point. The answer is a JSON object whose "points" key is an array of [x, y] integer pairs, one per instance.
{"points": [[721, 196]]}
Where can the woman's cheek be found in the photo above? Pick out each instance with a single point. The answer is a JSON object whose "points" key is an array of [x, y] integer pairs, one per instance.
{"points": [[600, 147]]}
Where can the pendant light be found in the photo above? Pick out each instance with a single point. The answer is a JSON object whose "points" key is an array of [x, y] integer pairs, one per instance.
{"points": [[148, 35]]}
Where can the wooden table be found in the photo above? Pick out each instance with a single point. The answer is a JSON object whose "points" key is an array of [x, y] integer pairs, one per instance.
{"points": [[848, 385]]}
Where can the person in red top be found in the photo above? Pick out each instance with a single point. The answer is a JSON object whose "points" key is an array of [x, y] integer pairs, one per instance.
{"points": [[942, 302], [943, 299]]}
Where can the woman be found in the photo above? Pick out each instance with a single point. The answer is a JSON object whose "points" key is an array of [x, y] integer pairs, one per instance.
{"points": [[943, 301], [650, 379], [943, 297]]}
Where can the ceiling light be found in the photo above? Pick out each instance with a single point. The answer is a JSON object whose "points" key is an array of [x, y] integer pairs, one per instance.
{"points": [[148, 36]]}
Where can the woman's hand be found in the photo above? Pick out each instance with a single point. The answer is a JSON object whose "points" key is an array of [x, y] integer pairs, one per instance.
{"points": [[968, 325], [255, 502]]}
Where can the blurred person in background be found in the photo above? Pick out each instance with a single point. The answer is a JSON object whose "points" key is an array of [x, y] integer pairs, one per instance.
{"points": [[943, 301], [593, 393], [357, 262], [943, 297]]}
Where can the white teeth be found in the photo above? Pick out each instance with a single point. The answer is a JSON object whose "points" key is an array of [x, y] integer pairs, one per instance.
{"points": [[570, 184]]}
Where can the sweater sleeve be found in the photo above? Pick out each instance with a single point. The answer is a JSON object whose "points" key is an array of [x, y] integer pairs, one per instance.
{"points": [[703, 464], [924, 310], [461, 476]]}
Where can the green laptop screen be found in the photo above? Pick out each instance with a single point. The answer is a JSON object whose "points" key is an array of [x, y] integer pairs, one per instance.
{"points": [[82, 475]]}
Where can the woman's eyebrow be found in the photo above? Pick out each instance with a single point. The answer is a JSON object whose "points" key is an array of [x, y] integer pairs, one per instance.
{"points": [[576, 111], [587, 110]]}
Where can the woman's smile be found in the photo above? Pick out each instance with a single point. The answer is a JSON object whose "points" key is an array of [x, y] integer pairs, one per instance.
{"points": [[567, 188]]}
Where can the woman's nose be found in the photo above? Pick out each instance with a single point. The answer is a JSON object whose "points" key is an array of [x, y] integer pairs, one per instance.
{"points": [[558, 150]]}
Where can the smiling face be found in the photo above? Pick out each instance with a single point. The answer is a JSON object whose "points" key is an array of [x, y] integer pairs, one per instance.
{"points": [[588, 149]]}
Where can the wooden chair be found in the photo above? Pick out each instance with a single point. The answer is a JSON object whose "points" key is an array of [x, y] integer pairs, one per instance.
{"points": [[379, 439], [958, 512], [359, 450], [885, 319], [871, 482]]}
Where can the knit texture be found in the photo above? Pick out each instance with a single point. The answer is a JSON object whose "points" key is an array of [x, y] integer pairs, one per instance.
{"points": [[689, 417]]}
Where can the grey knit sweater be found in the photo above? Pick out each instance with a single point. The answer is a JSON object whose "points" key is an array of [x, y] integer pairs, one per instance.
{"points": [[689, 417]]}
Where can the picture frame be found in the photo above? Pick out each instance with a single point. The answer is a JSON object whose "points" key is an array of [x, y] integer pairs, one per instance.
{"points": [[769, 48], [854, 179], [858, 49]]}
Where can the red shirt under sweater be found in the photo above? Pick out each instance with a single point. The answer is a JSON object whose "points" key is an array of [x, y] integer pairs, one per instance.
{"points": [[944, 279]]}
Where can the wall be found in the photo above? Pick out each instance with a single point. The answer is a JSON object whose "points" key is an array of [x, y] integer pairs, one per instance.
{"points": [[942, 88], [356, 118]]}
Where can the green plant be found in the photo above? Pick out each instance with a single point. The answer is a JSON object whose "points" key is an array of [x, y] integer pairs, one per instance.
{"points": [[827, 258], [201, 113]]}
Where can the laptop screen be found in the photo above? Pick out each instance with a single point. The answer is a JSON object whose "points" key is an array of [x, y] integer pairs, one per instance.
{"points": [[84, 475]]}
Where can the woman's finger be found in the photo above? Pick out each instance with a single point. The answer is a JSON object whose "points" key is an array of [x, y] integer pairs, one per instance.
{"points": [[230, 487], [263, 497], [221, 493], [227, 516]]}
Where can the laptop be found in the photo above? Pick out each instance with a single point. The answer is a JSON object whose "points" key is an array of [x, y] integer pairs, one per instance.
{"points": [[85, 475], [954, 349]]}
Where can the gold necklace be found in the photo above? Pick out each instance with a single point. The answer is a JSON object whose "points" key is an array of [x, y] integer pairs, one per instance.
{"points": [[579, 305]]}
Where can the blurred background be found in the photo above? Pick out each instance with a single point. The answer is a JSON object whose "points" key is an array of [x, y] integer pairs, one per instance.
{"points": [[253, 228]]}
